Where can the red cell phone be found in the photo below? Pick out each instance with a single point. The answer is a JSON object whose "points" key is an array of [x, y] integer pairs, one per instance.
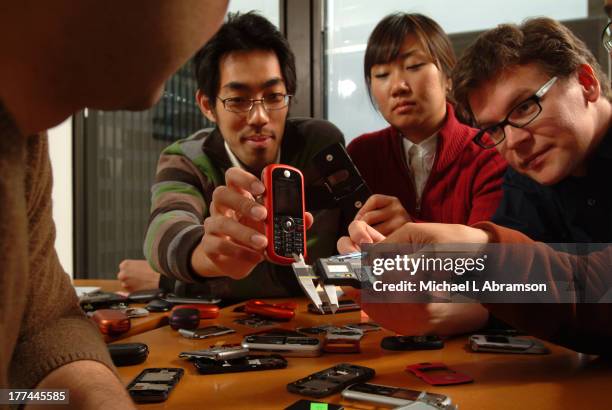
{"points": [[206, 311], [111, 322], [285, 223], [438, 374], [282, 311]]}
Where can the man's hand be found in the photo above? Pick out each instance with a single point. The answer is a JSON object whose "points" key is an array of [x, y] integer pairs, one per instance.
{"points": [[430, 233], [234, 240], [383, 213], [136, 275], [359, 232]]}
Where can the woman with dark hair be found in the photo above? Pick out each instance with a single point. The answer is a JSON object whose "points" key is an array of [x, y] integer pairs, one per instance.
{"points": [[424, 166]]}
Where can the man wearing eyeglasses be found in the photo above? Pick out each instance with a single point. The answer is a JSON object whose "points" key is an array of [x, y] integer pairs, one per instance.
{"points": [[540, 98], [198, 232]]}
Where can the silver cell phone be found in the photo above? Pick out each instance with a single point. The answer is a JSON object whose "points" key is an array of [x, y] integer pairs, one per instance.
{"points": [[344, 333], [506, 344], [217, 353], [394, 396], [284, 345], [135, 312], [206, 332]]}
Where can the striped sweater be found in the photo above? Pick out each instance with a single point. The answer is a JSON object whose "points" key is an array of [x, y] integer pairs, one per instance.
{"points": [[187, 174]]}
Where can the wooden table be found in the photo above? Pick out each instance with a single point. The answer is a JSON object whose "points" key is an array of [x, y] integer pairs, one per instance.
{"points": [[137, 325], [561, 380]]}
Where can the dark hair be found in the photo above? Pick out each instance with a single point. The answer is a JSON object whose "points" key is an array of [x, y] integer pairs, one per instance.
{"points": [[242, 32], [390, 33], [543, 41]]}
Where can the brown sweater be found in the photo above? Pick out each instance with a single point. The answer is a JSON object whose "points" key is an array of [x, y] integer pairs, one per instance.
{"points": [[584, 327], [41, 324]]}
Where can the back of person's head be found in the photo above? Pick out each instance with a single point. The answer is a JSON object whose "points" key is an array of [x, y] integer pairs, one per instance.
{"points": [[242, 32], [542, 41], [385, 42]]}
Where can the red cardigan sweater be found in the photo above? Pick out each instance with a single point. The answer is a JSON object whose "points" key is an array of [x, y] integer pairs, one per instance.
{"points": [[464, 185]]}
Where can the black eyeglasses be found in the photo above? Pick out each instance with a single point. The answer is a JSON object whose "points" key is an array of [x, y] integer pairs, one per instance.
{"points": [[520, 116], [606, 37], [274, 101]]}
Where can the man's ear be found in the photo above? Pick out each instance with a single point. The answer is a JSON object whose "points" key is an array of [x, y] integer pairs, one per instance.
{"points": [[206, 107], [588, 81]]}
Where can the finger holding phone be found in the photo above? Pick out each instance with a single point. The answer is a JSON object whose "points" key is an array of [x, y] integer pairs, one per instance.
{"points": [[234, 240]]}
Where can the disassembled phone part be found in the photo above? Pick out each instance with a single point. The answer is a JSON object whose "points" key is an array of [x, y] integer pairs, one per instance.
{"points": [[340, 270]]}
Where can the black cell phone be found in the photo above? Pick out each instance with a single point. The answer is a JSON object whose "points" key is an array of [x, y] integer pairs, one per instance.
{"points": [[128, 354], [332, 380], [146, 295], [158, 305], [154, 385], [312, 405], [180, 300], [345, 305], [102, 300], [242, 364], [411, 343], [284, 201]]}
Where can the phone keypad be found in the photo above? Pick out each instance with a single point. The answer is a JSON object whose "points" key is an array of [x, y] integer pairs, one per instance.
{"points": [[288, 235]]}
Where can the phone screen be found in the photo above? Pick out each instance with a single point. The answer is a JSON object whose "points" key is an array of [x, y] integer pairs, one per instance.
{"points": [[497, 339], [287, 198]]}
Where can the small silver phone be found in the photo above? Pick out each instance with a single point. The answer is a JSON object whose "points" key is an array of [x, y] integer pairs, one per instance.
{"points": [[284, 345], [395, 396], [505, 344]]}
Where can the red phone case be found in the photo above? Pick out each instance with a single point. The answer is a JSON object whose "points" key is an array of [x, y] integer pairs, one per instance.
{"points": [[283, 311], [206, 311], [111, 321], [422, 371], [266, 177]]}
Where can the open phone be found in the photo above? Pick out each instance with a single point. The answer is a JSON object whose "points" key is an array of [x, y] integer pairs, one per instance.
{"points": [[393, 396], [286, 345], [206, 332], [438, 374], [505, 344], [154, 385], [331, 380], [242, 364], [285, 223]]}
